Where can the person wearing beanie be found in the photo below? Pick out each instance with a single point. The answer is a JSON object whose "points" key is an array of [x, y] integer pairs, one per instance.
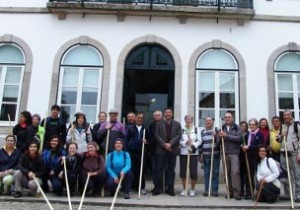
{"points": [[80, 132], [118, 164], [24, 131], [93, 164]]}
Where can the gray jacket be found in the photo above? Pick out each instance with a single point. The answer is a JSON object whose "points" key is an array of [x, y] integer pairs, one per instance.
{"points": [[233, 140], [161, 137]]}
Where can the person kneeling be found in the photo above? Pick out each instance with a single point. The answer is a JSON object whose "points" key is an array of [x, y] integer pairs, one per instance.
{"points": [[118, 165], [267, 176]]}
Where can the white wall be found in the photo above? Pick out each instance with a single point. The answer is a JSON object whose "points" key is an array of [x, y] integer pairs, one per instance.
{"points": [[23, 3], [45, 34], [277, 7]]}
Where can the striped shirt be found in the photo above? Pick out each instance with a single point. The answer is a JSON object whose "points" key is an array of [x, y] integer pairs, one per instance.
{"points": [[207, 138]]}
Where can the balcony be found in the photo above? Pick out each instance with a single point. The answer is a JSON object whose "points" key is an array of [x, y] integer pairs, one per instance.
{"points": [[240, 10]]}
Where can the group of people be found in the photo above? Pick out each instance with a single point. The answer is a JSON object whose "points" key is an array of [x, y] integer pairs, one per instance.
{"points": [[109, 152]]}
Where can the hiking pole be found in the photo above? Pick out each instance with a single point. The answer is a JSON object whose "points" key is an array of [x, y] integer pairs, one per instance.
{"points": [[10, 126], [142, 163], [67, 182], [248, 171], [84, 190], [44, 134], [45, 197], [225, 165], [107, 142], [116, 193], [258, 194], [289, 173], [211, 165]]}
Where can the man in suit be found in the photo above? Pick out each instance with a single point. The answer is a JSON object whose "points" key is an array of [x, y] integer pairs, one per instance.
{"points": [[167, 135]]}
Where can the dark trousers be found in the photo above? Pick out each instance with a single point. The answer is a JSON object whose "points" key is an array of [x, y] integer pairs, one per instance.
{"points": [[244, 171], [154, 171], [166, 162], [126, 183], [95, 182], [57, 184], [72, 180], [269, 192], [136, 168]]}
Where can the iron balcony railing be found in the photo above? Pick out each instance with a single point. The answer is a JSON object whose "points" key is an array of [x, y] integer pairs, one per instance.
{"points": [[247, 4]]}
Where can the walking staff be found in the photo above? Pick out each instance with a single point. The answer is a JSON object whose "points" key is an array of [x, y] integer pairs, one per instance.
{"points": [[10, 126], [211, 164], [258, 194], [116, 193], [248, 170], [225, 165], [67, 182], [44, 195], [84, 191], [142, 163]]}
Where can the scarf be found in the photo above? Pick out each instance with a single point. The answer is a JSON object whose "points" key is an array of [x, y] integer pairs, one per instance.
{"points": [[251, 136]]}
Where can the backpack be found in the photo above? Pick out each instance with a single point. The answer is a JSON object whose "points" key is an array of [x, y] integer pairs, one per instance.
{"points": [[278, 166]]}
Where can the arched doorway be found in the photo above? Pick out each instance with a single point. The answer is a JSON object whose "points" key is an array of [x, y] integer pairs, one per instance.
{"points": [[148, 80]]}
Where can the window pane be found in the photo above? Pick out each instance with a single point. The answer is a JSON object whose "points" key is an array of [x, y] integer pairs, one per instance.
{"points": [[216, 59], [1, 72], [298, 82], [227, 81], [203, 114], [11, 54], [206, 100], [66, 112], [89, 96], [91, 113], [227, 100], [285, 82], [13, 75], [69, 96], [207, 81], [286, 101], [70, 77], [288, 62], [91, 78], [8, 109], [10, 93]]}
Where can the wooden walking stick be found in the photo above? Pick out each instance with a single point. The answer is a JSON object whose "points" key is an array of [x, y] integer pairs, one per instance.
{"points": [[10, 126], [225, 165], [211, 165], [45, 197], [142, 164], [84, 190], [289, 173], [258, 194], [107, 142], [67, 183], [248, 171], [116, 193], [187, 172]]}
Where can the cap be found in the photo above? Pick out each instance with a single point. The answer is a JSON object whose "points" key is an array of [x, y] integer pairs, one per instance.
{"points": [[113, 111]]}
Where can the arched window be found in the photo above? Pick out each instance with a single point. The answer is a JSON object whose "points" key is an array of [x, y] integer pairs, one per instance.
{"points": [[216, 86], [80, 82], [12, 63], [287, 83]]}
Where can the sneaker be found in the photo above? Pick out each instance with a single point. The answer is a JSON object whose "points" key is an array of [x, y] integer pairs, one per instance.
{"points": [[18, 195], [144, 192], [205, 194], [126, 196], [182, 193], [192, 193]]}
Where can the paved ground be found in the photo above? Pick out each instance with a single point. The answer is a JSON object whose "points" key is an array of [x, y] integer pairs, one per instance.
{"points": [[147, 202]]}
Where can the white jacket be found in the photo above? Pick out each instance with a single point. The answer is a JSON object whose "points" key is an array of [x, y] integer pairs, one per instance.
{"points": [[270, 174], [81, 139], [195, 135]]}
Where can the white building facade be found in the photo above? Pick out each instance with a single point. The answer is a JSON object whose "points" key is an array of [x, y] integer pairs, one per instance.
{"points": [[195, 56]]}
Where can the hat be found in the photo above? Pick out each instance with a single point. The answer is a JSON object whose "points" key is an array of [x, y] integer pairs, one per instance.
{"points": [[113, 111], [119, 139], [94, 144]]}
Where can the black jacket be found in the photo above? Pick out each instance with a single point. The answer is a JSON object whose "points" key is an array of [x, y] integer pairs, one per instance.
{"points": [[27, 164], [24, 136]]}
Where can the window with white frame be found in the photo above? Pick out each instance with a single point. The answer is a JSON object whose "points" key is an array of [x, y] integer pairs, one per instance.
{"points": [[287, 83], [12, 64], [217, 86], [80, 82]]}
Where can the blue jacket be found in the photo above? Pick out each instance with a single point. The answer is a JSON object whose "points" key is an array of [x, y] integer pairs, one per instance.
{"points": [[52, 161], [133, 139], [9, 161], [115, 163]]}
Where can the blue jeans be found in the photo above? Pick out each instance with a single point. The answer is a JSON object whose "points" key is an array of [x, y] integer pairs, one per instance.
{"points": [[215, 173]]}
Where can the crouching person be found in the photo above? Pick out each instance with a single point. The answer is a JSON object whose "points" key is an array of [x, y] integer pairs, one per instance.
{"points": [[118, 164], [93, 164], [29, 166], [267, 176], [73, 165], [9, 157]]}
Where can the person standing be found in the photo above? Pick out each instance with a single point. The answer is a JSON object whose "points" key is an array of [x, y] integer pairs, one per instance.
{"points": [[231, 134], [24, 131], [116, 130], [265, 130], [250, 146], [9, 157], [243, 168], [80, 132], [133, 144], [209, 134], [167, 134], [275, 132], [130, 119], [189, 143], [102, 117], [54, 126], [151, 147], [290, 131]]}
